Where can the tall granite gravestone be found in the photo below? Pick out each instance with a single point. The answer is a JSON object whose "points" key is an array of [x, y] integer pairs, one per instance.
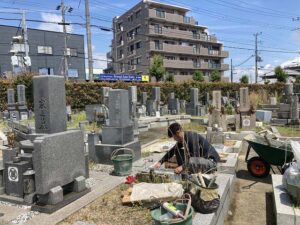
{"points": [[295, 109], [144, 98], [244, 99], [173, 104], [22, 102], [216, 100], [132, 91], [153, 104], [105, 95], [193, 107], [215, 117], [119, 132], [11, 105], [53, 162], [49, 104], [246, 118]]}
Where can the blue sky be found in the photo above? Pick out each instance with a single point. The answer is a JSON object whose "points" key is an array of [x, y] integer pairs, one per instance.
{"points": [[233, 21]]}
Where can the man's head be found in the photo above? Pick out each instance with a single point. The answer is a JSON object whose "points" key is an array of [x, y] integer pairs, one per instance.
{"points": [[176, 131]]}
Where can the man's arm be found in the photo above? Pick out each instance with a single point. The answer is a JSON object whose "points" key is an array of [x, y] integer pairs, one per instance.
{"points": [[168, 155]]}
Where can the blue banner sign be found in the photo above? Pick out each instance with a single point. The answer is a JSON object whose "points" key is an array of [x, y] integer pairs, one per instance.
{"points": [[122, 77]]}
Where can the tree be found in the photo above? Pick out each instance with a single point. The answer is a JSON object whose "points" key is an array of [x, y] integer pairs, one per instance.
{"points": [[280, 74], [157, 69], [297, 81], [169, 77], [244, 79], [215, 76], [198, 76]]}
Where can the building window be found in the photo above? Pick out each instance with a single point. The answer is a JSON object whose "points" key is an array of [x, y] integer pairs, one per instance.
{"points": [[168, 57], [138, 14], [138, 61], [138, 30], [119, 27], [186, 19], [121, 54], [138, 45], [73, 73], [157, 29], [160, 13], [71, 51], [130, 18], [158, 45], [46, 71], [45, 50]]}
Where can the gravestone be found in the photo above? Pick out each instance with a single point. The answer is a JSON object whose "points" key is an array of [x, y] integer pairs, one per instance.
{"points": [[182, 105], [57, 163], [119, 132], [132, 101], [21, 94], [207, 98], [11, 97], [273, 101], [50, 104], [173, 104], [216, 100], [11, 105], [156, 98], [193, 106], [105, 95], [144, 98], [244, 99], [295, 109]]}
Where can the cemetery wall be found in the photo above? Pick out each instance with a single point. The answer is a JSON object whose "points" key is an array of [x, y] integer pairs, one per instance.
{"points": [[80, 94]]}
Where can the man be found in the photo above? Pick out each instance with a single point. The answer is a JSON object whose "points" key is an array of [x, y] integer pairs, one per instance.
{"points": [[193, 152]]}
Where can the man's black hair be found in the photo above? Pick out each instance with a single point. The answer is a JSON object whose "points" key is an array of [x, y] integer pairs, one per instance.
{"points": [[173, 128]]}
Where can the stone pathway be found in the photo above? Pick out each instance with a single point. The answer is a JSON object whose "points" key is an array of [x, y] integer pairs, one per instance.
{"points": [[252, 201]]}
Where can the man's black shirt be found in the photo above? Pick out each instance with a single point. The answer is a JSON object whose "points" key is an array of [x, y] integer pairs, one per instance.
{"points": [[197, 146]]}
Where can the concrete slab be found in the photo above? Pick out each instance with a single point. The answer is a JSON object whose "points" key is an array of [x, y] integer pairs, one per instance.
{"points": [[230, 166], [283, 205]]}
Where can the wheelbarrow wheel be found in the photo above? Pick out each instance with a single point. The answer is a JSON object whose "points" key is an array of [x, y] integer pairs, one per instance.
{"points": [[257, 167]]}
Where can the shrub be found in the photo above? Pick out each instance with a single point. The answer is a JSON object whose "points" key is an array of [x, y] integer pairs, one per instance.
{"points": [[280, 74], [198, 76], [215, 76], [244, 79], [169, 77]]}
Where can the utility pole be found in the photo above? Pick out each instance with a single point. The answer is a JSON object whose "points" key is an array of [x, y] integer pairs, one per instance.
{"points": [[63, 8], [231, 71], [89, 41], [63, 14], [27, 61], [257, 58]]}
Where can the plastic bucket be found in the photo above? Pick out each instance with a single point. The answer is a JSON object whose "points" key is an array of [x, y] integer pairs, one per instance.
{"points": [[122, 162], [156, 213]]}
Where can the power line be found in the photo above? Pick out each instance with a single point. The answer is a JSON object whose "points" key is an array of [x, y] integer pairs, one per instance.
{"points": [[246, 60]]}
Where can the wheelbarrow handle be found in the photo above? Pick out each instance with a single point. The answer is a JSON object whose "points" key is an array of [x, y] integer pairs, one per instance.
{"points": [[122, 149]]}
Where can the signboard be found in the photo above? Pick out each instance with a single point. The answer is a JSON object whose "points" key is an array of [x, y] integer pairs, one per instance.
{"points": [[122, 77]]}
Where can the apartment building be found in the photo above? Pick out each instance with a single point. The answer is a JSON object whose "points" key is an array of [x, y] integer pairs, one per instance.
{"points": [[151, 28], [46, 50]]}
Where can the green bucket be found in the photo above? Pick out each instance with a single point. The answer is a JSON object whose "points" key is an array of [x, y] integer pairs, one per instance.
{"points": [[122, 162], [156, 213]]}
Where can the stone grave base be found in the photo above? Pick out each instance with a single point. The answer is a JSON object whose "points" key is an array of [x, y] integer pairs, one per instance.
{"points": [[13, 199], [285, 212], [280, 121], [68, 198], [226, 186], [230, 164], [103, 151]]}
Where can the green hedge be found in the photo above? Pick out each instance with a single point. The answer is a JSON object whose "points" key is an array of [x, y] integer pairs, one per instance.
{"points": [[80, 94]]}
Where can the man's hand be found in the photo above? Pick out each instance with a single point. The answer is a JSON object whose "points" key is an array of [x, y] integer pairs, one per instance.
{"points": [[156, 165], [179, 169]]}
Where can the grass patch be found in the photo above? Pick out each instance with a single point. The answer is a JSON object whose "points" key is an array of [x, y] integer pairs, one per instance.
{"points": [[108, 210], [289, 131], [81, 116], [194, 126]]}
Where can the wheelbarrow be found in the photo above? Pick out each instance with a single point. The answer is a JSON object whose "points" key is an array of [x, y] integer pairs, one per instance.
{"points": [[271, 152]]}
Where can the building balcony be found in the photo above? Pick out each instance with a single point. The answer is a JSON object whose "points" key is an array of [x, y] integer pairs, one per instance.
{"points": [[224, 54], [181, 34], [218, 66], [175, 49], [131, 53], [131, 67], [180, 64], [121, 43], [130, 38], [173, 18]]}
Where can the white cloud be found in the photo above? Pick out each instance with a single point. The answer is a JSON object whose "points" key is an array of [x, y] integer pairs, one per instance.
{"points": [[51, 26], [250, 72], [295, 61], [268, 66], [100, 60]]}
